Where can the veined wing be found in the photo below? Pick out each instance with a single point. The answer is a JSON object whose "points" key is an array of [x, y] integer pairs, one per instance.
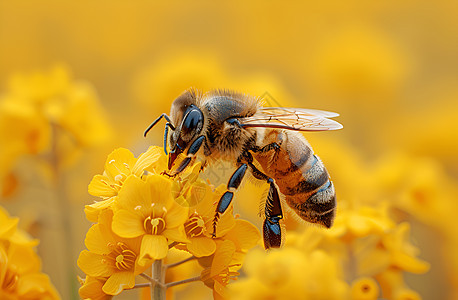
{"points": [[300, 119]]}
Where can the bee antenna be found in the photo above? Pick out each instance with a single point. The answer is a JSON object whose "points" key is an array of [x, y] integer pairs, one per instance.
{"points": [[157, 120]]}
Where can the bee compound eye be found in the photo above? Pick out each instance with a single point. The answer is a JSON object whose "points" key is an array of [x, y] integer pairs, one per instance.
{"points": [[192, 121]]}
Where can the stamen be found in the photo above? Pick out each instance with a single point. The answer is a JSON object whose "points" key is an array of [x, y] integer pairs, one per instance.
{"points": [[154, 225], [195, 226], [122, 258]]}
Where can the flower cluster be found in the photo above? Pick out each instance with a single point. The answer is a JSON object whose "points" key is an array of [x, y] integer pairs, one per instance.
{"points": [[143, 214], [50, 112], [20, 275], [363, 256]]}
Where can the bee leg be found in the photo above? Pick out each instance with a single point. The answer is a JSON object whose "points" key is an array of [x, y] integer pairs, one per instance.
{"points": [[266, 148], [273, 146], [273, 212], [166, 133], [195, 146], [226, 199]]}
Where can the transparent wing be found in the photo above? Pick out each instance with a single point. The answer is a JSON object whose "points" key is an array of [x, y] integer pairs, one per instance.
{"points": [[300, 119]]}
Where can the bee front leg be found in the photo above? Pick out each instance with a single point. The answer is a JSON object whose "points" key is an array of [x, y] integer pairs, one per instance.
{"points": [[191, 154], [226, 199]]}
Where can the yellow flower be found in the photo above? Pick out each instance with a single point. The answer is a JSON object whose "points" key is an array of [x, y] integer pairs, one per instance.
{"points": [[394, 287], [71, 105], [120, 164], [361, 221], [20, 276], [228, 257], [146, 209], [8, 225], [364, 288], [110, 256], [31, 136], [188, 188], [289, 273], [199, 225], [403, 254], [417, 186], [92, 289], [49, 111], [219, 269]]}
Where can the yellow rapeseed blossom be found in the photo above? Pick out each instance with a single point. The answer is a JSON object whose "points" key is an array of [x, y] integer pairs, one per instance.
{"points": [[53, 118], [372, 262], [110, 256], [20, 275], [55, 96], [199, 225], [92, 289], [290, 274], [364, 288], [146, 216], [120, 164], [147, 209]]}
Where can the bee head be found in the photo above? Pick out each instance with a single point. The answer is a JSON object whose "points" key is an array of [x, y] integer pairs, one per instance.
{"points": [[189, 120]]}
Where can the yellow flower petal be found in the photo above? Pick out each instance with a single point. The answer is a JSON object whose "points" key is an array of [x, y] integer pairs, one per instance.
{"points": [[406, 294], [119, 281], [409, 263], [176, 216], [364, 288], [100, 187], [175, 234], [36, 286], [8, 224], [95, 241], [244, 235], [160, 189], [153, 247], [146, 159], [92, 211], [128, 224], [201, 246], [134, 195], [24, 259], [92, 289], [119, 162], [92, 264], [223, 255]]}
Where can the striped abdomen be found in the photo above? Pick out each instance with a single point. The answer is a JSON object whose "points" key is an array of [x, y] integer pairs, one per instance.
{"points": [[301, 177]]}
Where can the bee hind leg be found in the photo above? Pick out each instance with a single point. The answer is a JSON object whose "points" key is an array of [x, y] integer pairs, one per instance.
{"points": [[273, 212], [226, 199], [266, 148]]}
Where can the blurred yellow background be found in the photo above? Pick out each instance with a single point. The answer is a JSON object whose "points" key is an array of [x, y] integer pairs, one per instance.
{"points": [[390, 68]]}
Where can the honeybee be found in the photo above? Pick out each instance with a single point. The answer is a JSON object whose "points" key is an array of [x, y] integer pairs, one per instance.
{"points": [[224, 125]]}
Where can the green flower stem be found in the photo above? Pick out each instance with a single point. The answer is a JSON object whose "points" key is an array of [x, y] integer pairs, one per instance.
{"points": [[158, 275], [70, 289], [180, 262], [141, 285], [197, 278]]}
